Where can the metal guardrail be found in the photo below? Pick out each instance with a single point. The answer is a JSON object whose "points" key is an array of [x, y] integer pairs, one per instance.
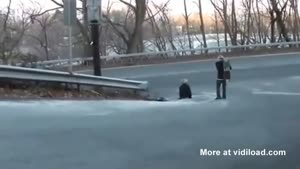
{"points": [[18, 73], [173, 52]]}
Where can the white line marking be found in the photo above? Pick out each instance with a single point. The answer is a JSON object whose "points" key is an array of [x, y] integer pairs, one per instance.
{"points": [[276, 93], [193, 61]]}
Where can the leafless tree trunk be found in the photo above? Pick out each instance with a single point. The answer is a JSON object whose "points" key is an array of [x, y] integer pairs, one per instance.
{"points": [[234, 25], [187, 24], [243, 30], [134, 39], [217, 29], [226, 24], [247, 30], [279, 18], [104, 32], [223, 13], [258, 21], [272, 23], [294, 6], [5, 33], [249, 4], [45, 21], [159, 41], [202, 27], [161, 26], [166, 23], [135, 45], [12, 31]]}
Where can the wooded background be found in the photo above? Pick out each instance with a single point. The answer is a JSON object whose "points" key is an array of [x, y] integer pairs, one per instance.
{"points": [[33, 33]]}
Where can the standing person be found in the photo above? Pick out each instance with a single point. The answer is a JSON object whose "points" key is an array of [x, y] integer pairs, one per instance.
{"points": [[220, 78], [227, 69], [185, 91]]}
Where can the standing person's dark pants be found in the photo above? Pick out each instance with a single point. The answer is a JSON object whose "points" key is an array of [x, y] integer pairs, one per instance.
{"points": [[219, 83], [220, 79]]}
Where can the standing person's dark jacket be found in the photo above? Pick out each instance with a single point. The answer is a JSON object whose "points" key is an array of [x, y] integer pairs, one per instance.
{"points": [[220, 69], [185, 91]]}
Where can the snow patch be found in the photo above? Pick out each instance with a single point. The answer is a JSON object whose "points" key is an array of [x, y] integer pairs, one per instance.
{"points": [[295, 77], [268, 84], [276, 93]]}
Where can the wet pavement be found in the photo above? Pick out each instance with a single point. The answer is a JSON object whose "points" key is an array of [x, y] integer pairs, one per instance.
{"points": [[261, 112]]}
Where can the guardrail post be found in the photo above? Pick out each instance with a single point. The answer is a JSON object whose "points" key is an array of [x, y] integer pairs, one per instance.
{"points": [[66, 87], [78, 87]]}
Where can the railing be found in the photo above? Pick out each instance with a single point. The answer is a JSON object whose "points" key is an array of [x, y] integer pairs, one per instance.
{"points": [[174, 53], [29, 74]]}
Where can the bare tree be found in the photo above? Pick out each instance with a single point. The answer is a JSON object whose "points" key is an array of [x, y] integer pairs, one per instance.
{"points": [[257, 16], [202, 26], [187, 24], [135, 44], [167, 28], [294, 6], [82, 24], [273, 19], [121, 23], [279, 18], [132, 38], [217, 28], [230, 23], [223, 13], [248, 5], [44, 22], [234, 26], [12, 29], [5, 32], [105, 32], [159, 41]]}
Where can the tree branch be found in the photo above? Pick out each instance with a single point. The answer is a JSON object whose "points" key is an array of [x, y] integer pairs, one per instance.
{"points": [[44, 12], [284, 6], [37, 39], [57, 3], [116, 29], [7, 16], [160, 9], [218, 9], [128, 4]]}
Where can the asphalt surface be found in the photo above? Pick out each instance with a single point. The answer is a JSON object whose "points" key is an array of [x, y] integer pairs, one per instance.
{"points": [[261, 112]]}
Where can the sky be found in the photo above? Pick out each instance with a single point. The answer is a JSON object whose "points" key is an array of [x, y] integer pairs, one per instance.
{"points": [[176, 6]]}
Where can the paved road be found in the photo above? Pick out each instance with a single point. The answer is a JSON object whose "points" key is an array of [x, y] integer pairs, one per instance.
{"points": [[262, 112], [164, 79]]}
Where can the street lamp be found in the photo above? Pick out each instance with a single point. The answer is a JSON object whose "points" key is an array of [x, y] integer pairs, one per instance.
{"points": [[94, 12], [70, 17]]}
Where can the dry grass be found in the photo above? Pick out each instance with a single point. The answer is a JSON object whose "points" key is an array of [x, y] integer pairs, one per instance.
{"points": [[55, 92]]}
